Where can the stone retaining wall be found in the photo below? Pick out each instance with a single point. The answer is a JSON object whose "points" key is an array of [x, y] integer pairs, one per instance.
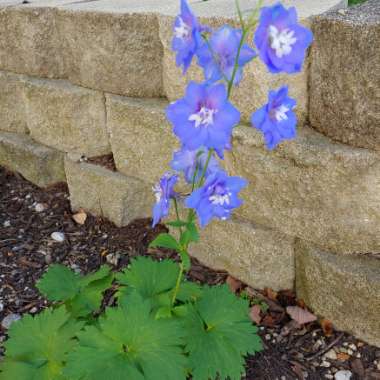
{"points": [[84, 79]]}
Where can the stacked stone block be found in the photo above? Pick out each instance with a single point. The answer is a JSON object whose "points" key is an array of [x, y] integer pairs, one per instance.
{"points": [[84, 79]]}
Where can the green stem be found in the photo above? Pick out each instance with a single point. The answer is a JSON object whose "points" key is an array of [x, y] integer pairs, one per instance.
{"points": [[211, 151], [177, 214], [178, 283], [236, 65]]}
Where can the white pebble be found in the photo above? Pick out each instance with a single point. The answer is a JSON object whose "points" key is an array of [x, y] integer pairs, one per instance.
{"points": [[7, 224], [353, 347], [58, 236], [39, 207], [1, 307], [331, 354], [8, 320], [325, 364], [113, 259], [343, 375]]}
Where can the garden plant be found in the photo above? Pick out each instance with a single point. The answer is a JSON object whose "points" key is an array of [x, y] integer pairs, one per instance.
{"points": [[162, 326]]}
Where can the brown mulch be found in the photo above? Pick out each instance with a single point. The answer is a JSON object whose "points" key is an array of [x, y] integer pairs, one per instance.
{"points": [[106, 161], [26, 250]]}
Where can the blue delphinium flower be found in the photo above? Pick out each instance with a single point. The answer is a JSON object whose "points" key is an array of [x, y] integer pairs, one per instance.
{"points": [[219, 62], [187, 161], [281, 41], [276, 119], [216, 198], [187, 36], [163, 191], [204, 117]]}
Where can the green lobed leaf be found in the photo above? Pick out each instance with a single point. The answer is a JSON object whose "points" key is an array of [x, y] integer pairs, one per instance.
{"points": [[219, 335], [153, 280], [38, 346], [82, 294], [59, 283], [129, 344], [165, 241], [189, 291]]}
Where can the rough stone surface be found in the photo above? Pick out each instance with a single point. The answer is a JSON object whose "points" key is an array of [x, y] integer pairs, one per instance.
{"points": [[118, 198], [67, 117], [344, 289], [258, 256], [37, 163], [116, 53], [345, 75], [320, 191], [12, 107], [30, 42], [141, 138]]}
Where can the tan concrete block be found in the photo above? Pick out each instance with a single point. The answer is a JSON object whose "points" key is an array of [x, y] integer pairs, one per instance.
{"points": [[141, 138], [37, 163], [312, 188], [30, 42], [345, 76], [259, 256], [105, 193], [344, 289], [67, 117], [112, 52], [12, 103]]}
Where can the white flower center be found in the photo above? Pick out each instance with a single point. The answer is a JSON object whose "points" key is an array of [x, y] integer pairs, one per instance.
{"points": [[204, 117], [280, 113], [157, 192], [281, 42], [219, 199], [182, 31]]}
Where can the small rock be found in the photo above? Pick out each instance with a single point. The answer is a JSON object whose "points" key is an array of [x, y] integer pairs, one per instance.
{"points": [[329, 376], [7, 224], [58, 237], [325, 364], [343, 375], [268, 337], [331, 354], [352, 347], [33, 310], [350, 352], [1, 307], [80, 217], [75, 268], [342, 11], [9, 319], [39, 207], [48, 259], [113, 259]]}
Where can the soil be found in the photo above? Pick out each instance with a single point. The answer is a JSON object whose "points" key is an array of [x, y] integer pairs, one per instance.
{"points": [[28, 217]]}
